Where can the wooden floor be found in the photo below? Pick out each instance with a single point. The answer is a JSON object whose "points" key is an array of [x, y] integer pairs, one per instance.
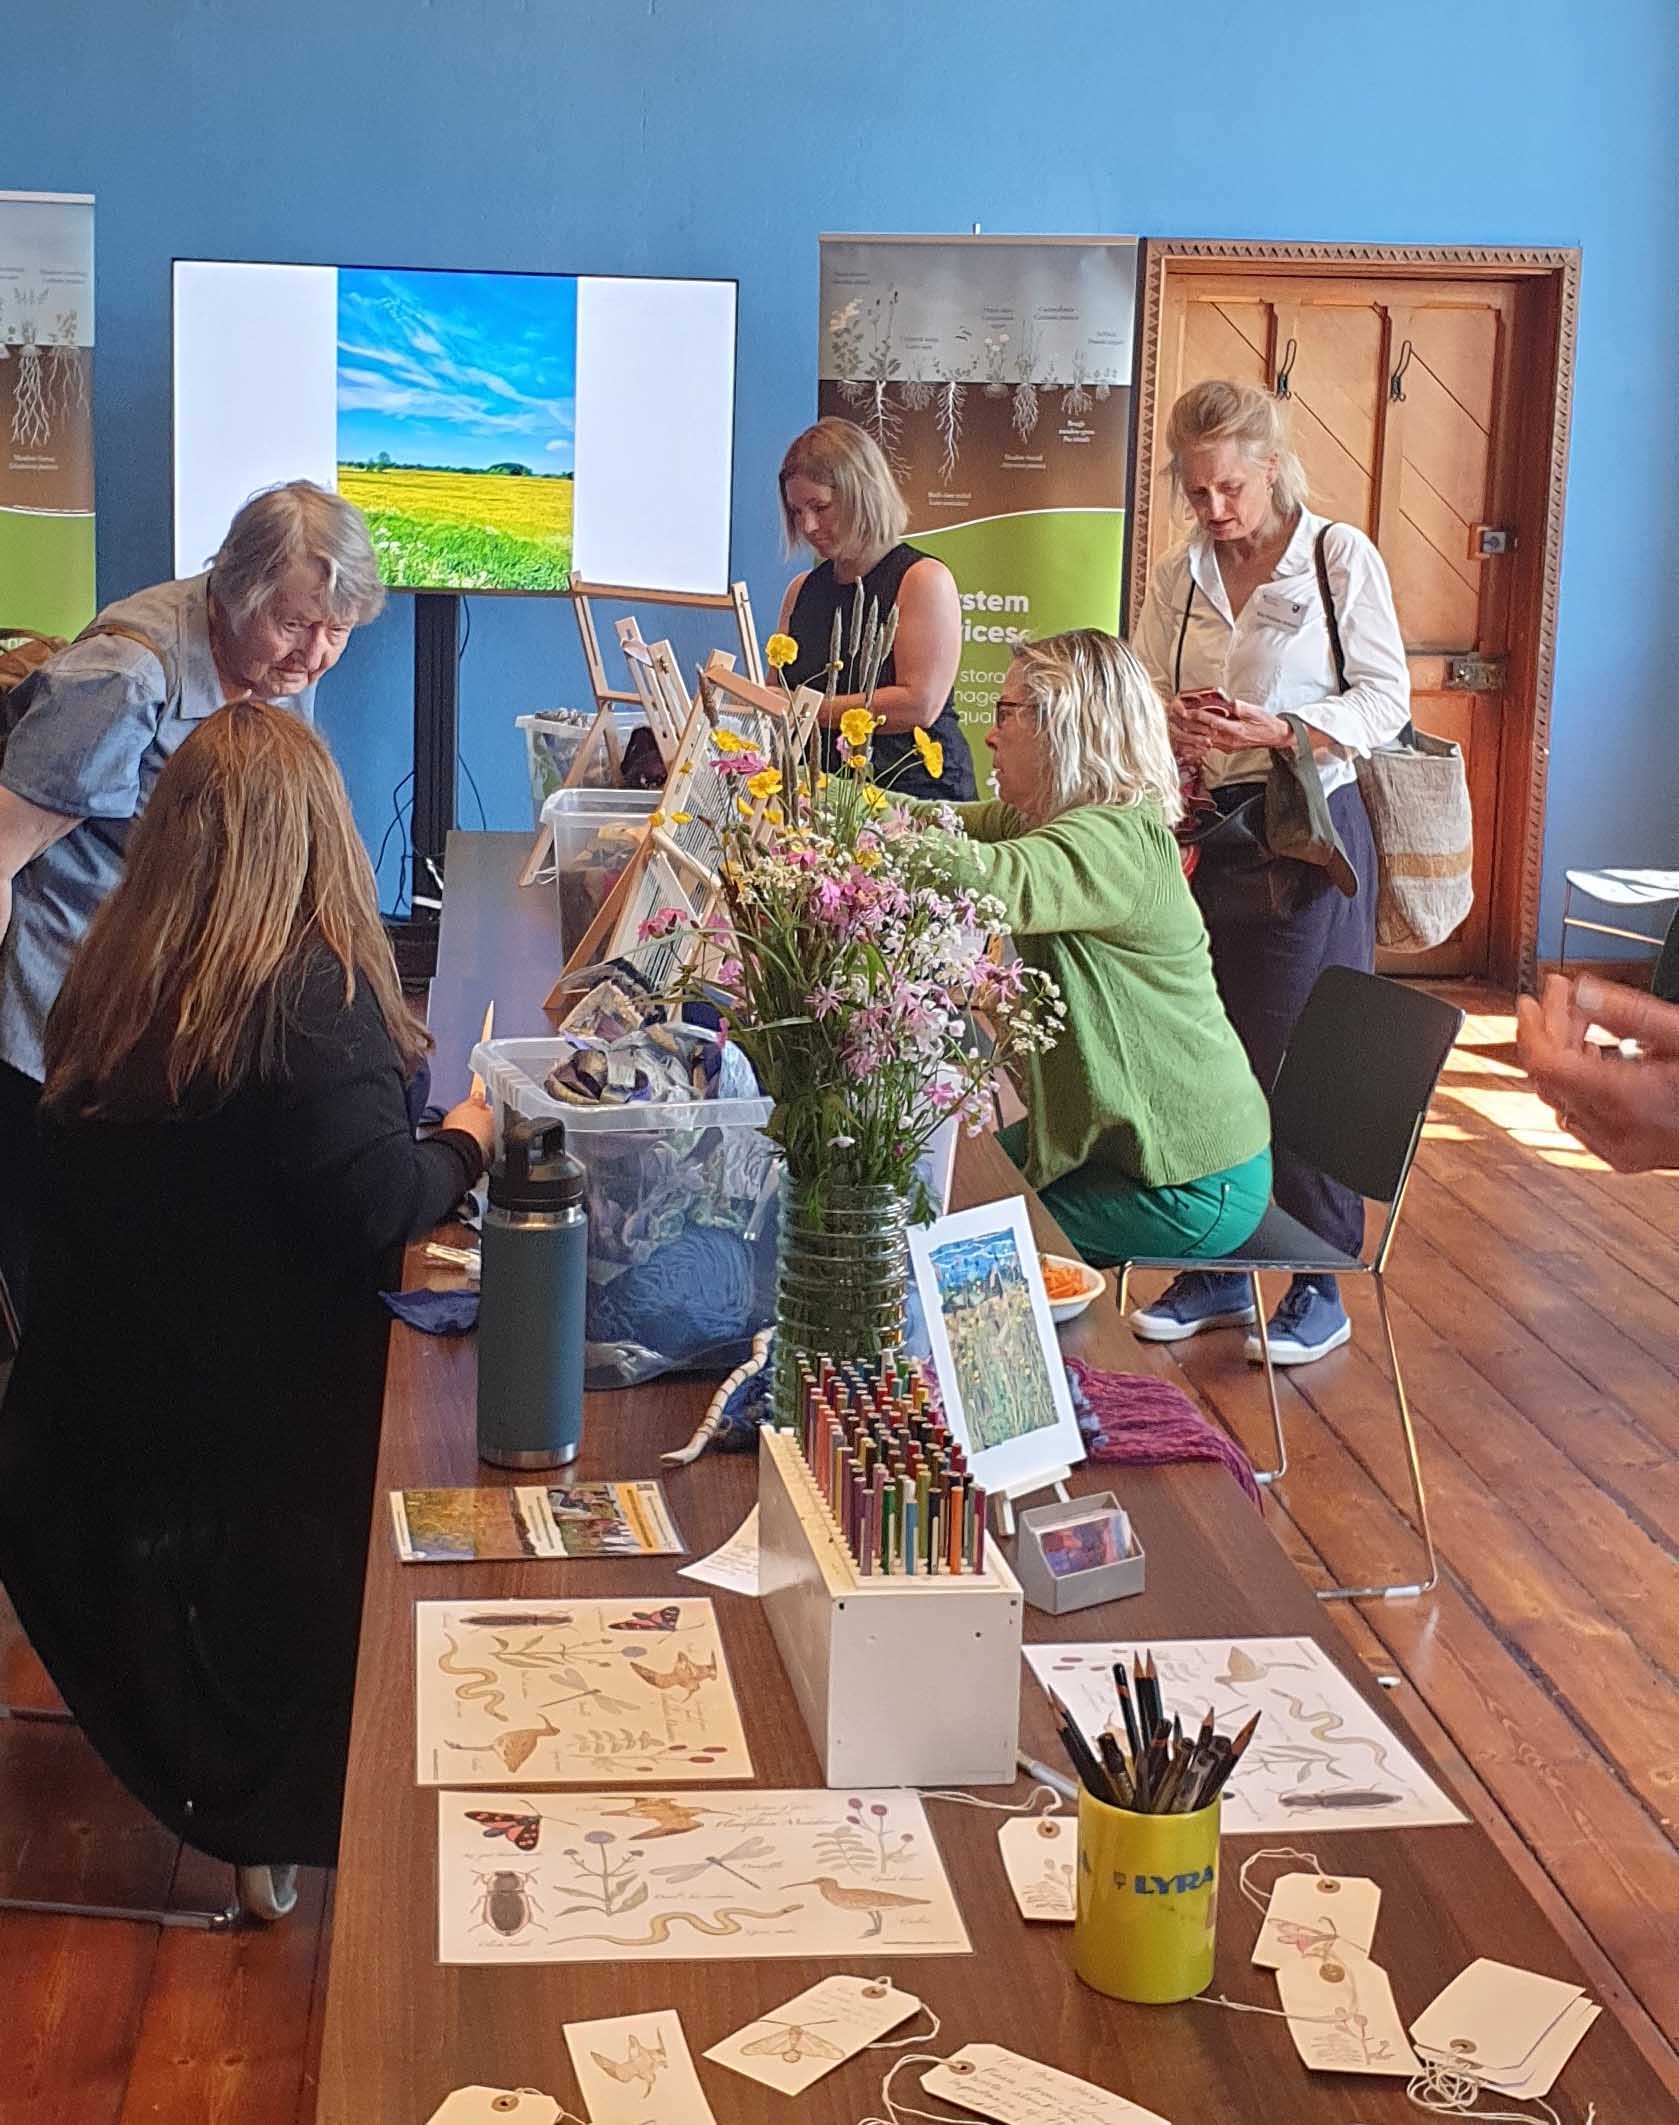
{"points": [[1538, 1319]]}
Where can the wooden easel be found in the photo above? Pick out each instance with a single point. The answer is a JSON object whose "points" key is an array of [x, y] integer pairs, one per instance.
{"points": [[584, 596]]}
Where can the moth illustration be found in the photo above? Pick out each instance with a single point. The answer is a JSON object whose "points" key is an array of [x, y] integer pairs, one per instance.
{"points": [[660, 1619], [641, 2065], [790, 2042], [518, 1622], [1353, 1797], [521, 1831]]}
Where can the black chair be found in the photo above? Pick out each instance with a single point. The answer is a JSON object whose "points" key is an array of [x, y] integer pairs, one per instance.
{"points": [[1350, 1099]]}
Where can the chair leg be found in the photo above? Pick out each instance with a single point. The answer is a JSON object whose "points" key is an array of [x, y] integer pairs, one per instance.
{"points": [[1269, 1475], [200, 1921], [1424, 1530]]}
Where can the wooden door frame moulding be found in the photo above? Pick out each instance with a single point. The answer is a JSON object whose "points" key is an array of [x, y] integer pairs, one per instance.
{"points": [[1513, 939]]}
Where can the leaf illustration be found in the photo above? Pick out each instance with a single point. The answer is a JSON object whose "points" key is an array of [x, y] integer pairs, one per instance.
{"points": [[637, 1895], [579, 1911]]}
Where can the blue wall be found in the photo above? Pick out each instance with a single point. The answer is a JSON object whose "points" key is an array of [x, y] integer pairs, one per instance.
{"points": [[669, 137]]}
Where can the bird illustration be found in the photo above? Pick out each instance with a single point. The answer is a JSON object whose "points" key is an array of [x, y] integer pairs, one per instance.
{"points": [[685, 1676], [670, 1816], [876, 1902]]}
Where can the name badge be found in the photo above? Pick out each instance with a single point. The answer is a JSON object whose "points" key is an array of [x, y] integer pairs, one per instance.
{"points": [[1283, 606]]}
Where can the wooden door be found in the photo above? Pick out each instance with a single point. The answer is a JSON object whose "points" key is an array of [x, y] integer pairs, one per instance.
{"points": [[1402, 395]]}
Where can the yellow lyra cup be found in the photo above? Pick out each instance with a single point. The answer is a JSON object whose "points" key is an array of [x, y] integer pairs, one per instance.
{"points": [[1147, 1901]]}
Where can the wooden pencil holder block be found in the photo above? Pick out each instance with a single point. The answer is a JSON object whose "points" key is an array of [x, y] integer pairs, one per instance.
{"points": [[902, 1682]]}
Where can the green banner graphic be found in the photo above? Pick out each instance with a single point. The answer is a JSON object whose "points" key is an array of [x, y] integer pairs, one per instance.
{"points": [[46, 412], [995, 373]]}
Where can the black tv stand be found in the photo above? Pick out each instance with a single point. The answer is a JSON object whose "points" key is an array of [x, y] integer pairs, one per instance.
{"points": [[437, 633]]}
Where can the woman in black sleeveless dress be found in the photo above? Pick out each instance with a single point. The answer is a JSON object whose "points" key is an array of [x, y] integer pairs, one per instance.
{"points": [[839, 498]]}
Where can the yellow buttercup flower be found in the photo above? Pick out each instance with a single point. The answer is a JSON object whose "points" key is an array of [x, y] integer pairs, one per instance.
{"points": [[765, 784], [859, 761], [779, 651], [874, 798], [687, 818], [857, 728], [931, 751], [728, 741], [655, 818]]}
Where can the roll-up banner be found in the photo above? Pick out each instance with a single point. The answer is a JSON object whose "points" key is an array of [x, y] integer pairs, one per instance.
{"points": [[46, 411], [995, 372]]}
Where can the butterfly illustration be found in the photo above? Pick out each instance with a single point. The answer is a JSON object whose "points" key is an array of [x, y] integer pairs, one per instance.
{"points": [[521, 1831], [665, 1619], [641, 2065], [790, 2042]]}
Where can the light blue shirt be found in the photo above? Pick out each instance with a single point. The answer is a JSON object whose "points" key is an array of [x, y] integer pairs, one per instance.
{"points": [[87, 736]]}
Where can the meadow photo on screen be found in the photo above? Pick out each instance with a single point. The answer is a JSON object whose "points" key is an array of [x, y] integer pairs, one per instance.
{"points": [[457, 404], [994, 1342]]}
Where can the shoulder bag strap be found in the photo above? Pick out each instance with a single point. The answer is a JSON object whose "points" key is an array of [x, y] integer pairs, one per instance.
{"points": [[135, 634], [1183, 634], [1328, 597]]}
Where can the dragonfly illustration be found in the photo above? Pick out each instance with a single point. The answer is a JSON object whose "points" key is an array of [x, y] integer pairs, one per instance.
{"points": [[754, 1852], [790, 2042]]}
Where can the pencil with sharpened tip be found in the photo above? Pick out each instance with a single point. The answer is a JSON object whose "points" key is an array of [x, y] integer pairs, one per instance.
{"points": [[1158, 1768]]}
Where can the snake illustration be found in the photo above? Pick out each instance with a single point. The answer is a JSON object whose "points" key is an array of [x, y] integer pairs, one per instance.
{"points": [[480, 1681], [1324, 1726], [722, 1922]]}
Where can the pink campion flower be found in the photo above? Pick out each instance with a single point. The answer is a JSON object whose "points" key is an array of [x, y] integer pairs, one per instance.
{"points": [[943, 1094], [744, 764], [661, 924], [825, 1000], [729, 973]]}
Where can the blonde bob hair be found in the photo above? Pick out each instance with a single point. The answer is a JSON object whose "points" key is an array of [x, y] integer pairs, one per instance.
{"points": [[845, 458], [1219, 411], [1103, 730], [244, 873]]}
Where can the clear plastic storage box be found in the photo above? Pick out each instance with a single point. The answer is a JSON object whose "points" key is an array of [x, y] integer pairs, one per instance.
{"points": [[593, 834], [552, 739], [682, 1217]]}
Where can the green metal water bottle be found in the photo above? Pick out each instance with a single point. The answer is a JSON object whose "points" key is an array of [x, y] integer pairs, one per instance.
{"points": [[531, 1302]]}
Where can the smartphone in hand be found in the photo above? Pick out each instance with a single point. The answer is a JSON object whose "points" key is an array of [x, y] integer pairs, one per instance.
{"points": [[1207, 697]]}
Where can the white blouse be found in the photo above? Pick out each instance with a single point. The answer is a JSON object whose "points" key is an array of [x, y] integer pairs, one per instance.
{"points": [[1276, 653]]}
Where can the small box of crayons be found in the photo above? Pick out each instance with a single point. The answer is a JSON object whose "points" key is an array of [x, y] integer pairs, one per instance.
{"points": [[897, 1620]]}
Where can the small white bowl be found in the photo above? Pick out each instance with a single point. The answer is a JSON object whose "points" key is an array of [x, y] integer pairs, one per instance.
{"points": [[1064, 1310]]}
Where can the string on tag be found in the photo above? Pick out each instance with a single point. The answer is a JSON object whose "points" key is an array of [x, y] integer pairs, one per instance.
{"points": [[1444, 2091], [1028, 1806], [896, 2112], [1262, 1904], [921, 2036]]}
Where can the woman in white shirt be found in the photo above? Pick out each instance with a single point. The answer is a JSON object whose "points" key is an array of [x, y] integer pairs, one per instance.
{"points": [[1235, 635]]}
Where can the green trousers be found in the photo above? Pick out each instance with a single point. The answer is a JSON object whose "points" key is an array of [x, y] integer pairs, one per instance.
{"points": [[1111, 1219]]}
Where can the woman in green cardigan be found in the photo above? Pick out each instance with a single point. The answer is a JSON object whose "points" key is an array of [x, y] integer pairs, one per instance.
{"points": [[1146, 1132]]}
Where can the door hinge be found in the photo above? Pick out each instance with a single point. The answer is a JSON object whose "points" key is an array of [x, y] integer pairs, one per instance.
{"points": [[1488, 541], [1471, 673]]}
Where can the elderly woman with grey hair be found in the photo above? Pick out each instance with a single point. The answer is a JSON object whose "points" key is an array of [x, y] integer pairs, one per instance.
{"points": [[83, 739]]}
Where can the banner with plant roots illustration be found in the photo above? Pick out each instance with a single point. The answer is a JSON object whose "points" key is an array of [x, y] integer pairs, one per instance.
{"points": [[995, 372], [46, 412]]}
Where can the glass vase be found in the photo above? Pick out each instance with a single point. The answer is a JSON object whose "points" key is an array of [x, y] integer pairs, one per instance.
{"points": [[842, 1268]]}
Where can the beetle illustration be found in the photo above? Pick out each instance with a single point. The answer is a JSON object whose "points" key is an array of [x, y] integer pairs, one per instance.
{"points": [[507, 1905]]}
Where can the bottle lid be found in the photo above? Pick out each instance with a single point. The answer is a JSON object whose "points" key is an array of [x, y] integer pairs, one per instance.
{"points": [[535, 1171]]}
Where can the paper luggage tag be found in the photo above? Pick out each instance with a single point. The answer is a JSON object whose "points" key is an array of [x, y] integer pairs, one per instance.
{"points": [[1342, 2017], [636, 2069], [797, 2044], [1011, 2090], [1503, 2025], [1040, 1855], [1313, 1914], [495, 2106]]}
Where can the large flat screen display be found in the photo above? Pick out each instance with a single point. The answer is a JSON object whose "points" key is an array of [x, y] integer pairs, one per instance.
{"points": [[501, 431]]}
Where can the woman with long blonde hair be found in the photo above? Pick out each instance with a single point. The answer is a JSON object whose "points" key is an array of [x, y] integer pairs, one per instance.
{"points": [[187, 1448], [1145, 1132]]}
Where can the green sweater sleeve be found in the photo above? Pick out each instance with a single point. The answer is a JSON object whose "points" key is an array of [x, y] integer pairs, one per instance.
{"points": [[1075, 873]]}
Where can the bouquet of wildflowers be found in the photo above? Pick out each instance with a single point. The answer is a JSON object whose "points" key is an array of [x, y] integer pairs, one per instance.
{"points": [[848, 958]]}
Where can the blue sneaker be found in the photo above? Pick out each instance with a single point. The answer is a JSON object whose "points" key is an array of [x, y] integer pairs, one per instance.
{"points": [[1195, 1300], [1308, 1325]]}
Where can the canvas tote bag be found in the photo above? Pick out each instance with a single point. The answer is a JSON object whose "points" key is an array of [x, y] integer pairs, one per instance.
{"points": [[1417, 794]]}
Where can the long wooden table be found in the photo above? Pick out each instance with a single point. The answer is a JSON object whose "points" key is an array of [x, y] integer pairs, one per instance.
{"points": [[401, 2030]]}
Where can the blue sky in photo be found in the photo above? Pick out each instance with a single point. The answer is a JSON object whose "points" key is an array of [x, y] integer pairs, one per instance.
{"points": [[467, 369]]}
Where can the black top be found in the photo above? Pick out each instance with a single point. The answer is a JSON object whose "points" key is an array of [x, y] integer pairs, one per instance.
{"points": [[811, 624], [187, 1450]]}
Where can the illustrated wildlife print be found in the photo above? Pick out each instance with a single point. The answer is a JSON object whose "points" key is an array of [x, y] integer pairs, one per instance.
{"points": [[573, 1693], [622, 1877]]}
